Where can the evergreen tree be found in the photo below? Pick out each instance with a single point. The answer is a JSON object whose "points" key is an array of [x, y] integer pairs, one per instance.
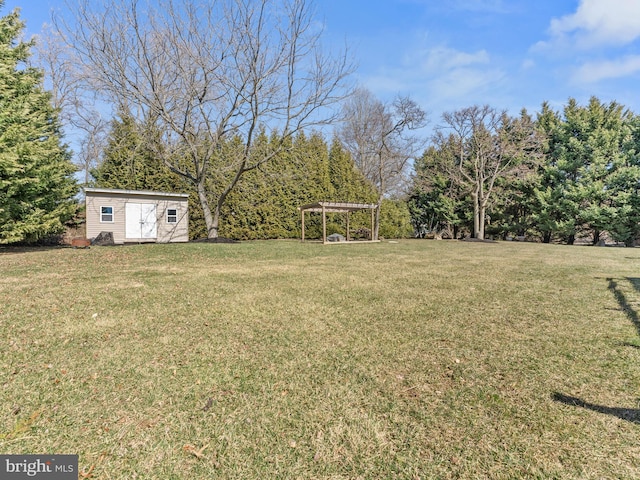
{"points": [[513, 209], [348, 183], [553, 212], [623, 186], [309, 181], [436, 203], [129, 163], [36, 174], [265, 202], [341, 174], [252, 210], [395, 219], [351, 186], [584, 146]]}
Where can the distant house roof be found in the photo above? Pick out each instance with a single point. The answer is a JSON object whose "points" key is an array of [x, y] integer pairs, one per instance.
{"points": [[135, 192]]}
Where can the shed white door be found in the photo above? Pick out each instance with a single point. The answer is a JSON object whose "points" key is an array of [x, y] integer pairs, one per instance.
{"points": [[141, 220]]}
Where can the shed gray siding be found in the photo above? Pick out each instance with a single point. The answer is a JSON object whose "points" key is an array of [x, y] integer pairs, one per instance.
{"points": [[166, 232]]}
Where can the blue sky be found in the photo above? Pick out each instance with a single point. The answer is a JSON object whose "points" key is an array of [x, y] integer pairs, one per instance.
{"points": [[449, 54]]}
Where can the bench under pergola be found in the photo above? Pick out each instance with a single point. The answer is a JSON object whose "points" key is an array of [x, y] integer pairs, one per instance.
{"points": [[333, 207]]}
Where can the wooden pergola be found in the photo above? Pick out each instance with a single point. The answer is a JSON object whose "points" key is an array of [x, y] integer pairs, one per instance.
{"points": [[332, 207]]}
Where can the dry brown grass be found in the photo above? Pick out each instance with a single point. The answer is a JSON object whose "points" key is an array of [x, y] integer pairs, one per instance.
{"points": [[420, 359]]}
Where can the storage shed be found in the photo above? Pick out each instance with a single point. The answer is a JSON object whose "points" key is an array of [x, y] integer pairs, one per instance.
{"points": [[137, 216]]}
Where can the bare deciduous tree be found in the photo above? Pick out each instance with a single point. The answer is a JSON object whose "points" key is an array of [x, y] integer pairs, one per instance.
{"points": [[206, 72], [482, 146], [78, 110], [377, 136]]}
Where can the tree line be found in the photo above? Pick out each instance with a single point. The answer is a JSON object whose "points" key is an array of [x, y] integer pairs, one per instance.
{"points": [[36, 174], [265, 202], [227, 103], [567, 174]]}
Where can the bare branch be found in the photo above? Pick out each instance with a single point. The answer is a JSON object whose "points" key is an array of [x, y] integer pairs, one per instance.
{"points": [[378, 137], [208, 72], [489, 145]]}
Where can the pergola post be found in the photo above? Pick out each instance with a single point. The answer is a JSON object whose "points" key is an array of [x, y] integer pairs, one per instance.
{"points": [[335, 207], [373, 220]]}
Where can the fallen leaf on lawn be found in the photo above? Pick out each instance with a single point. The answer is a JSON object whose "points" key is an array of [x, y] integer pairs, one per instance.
{"points": [[193, 451], [88, 473]]}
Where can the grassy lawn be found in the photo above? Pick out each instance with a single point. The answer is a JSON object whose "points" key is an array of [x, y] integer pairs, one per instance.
{"points": [[417, 359]]}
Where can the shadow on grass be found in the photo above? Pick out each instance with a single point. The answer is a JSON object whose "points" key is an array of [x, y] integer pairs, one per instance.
{"points": [[18, 249], [624, 303], [628, 414]]}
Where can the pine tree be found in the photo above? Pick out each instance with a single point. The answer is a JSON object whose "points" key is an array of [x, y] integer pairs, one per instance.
{"points": [[248, 211], [623, 186], [129, 163], [584, 147], [350, 185], [265, 202], [437, 204], [395, 219], [552, 211], [36, 174]]}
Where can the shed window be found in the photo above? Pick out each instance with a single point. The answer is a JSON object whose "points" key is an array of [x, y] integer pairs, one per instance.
{"points": [[106, 214], [172, 215]]}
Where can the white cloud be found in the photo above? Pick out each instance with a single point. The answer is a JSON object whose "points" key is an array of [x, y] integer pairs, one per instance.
{"points": [[528, 64], [592, 72], [456, 74], [600, 22], [441, 77], [443, 58], [465, 83], [593, 39]]}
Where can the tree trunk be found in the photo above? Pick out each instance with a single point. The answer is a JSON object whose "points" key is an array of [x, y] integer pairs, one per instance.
{"points": [[481, 214], [596, 236], [571, 239], [546, 237], [213, 232], [476, 215], [376, 224], [210, 221]]}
